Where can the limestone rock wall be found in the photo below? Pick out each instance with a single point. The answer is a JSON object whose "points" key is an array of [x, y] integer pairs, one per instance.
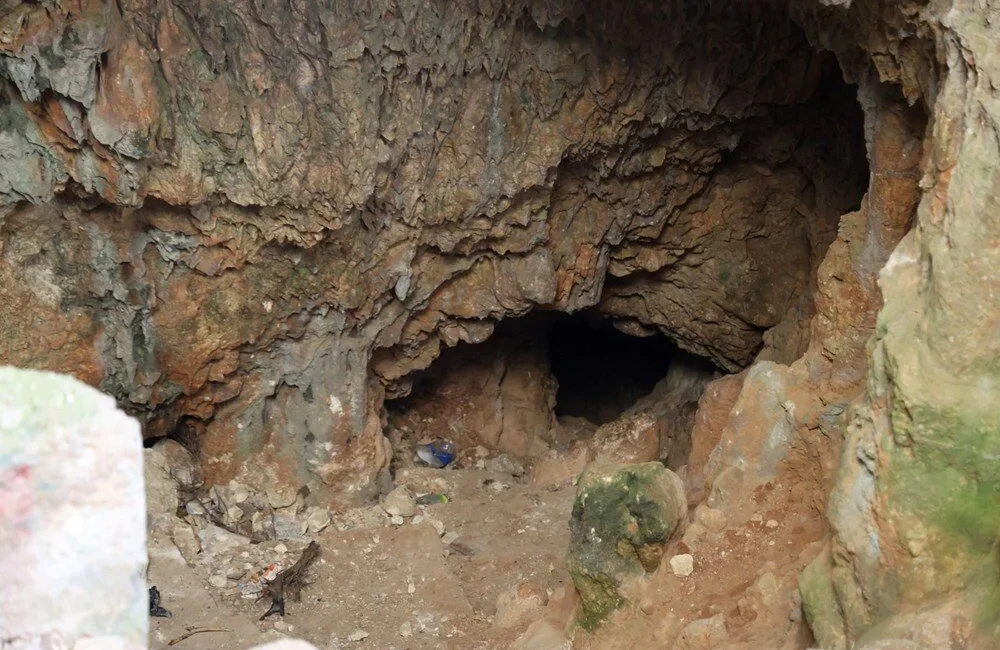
{"points": [[220, 212], [246, 220], [913, 509]]}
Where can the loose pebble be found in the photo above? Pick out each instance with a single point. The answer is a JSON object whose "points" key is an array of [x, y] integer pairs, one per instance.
{"points": [[682, 565]]}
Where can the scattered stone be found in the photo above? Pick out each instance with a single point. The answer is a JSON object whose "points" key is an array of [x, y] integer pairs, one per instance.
{"points": [[712, 519], [693, 534], [406, 630], [259, 522], [449, 537], [682, 565], [396, 520], [238, 493], [504, 464], [280, 548], [357, 635], [436, 524], [400, 503], [630, 439], [771, 523], [195, 509], [234, 514], [280, 497], [519, 604], [622, 518], [287, 526], [317, 518], [235, 572], [218, 581], [703, 634], [186, 541], [543, 635], [766, 589], [216, 540]]}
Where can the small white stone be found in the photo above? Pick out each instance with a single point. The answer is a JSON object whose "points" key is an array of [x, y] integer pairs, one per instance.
{"points": [[357, 635], [281, 548], [771, 523], [317, 518], [400, 502], [405, 630], [449, 537], [238, 493], [438, 526], [396, 520], [682, 565], [218, 581], [712, 519]]}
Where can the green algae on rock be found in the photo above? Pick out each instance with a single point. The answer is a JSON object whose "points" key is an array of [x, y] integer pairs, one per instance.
{"points": [[622, 517]]}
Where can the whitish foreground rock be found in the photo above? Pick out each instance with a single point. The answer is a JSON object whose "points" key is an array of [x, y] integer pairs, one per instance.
{"points": [[72, 517]]}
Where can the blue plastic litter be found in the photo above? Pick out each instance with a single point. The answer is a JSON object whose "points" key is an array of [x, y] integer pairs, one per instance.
{"points": [[436, 454]]}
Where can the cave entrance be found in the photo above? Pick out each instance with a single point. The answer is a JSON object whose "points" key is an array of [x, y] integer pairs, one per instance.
{"points": [[547, 382], [601, 371]]}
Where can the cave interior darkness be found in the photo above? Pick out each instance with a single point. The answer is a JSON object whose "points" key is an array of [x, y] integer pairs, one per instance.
{"points": [[601, 371]]}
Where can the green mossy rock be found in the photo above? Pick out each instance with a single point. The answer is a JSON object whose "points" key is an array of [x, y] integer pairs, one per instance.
{"points": [[622, 518]]}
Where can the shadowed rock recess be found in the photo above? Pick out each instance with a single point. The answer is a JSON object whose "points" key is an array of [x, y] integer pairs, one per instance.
{"points": [[299, 238]]}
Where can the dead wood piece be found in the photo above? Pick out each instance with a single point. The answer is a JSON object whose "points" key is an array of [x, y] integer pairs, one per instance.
{"points": [[288, 582]]}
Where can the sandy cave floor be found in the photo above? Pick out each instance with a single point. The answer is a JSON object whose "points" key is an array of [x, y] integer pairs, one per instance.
{"points": [[379, 585], [385, 580]]}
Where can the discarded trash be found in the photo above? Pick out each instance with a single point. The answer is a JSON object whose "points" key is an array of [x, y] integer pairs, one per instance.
{"points": [[154, 604], [287, 581], [254, 584], [431, 498], [436, 454]]}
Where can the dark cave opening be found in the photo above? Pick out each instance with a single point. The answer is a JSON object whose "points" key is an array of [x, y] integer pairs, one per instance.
{"points": [[547, 381], [602, 371]]}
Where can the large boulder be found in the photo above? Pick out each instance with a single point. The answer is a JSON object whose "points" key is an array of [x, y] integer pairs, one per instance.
{"points": [[622, 517], [72, 516]]}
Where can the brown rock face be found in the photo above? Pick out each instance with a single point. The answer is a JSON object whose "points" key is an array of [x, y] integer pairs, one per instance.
{"points": [[252, 223], [242, 221]]}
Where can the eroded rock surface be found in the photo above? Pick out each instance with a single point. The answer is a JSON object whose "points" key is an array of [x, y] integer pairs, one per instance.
{"points": [[251, 223], [220, 213]]}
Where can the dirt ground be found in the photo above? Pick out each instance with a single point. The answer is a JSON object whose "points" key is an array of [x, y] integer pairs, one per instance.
{"points": [[380, 585]]}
